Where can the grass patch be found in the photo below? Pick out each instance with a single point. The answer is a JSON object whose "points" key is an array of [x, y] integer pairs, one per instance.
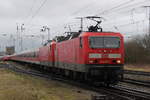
{"points": [[14, 86]]}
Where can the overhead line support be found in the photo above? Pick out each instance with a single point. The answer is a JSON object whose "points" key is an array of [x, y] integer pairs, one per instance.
{"points": [[148, 19]]}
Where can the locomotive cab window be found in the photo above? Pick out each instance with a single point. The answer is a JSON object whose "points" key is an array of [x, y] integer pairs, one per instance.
{"points": [[96, 42], [112, 42], [104, 42]]}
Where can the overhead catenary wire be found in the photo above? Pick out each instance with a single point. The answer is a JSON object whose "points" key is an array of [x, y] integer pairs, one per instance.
{"points": [[80, 9], [126, 7], [37, 11], [84, 7], [139, 27], [132, 19], [32, 15], [121, 6], [30, 11], [115, 7], [128, 24]]}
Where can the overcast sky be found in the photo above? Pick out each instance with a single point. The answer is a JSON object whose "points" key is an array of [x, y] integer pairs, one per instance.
{"points": [[125, 16]]}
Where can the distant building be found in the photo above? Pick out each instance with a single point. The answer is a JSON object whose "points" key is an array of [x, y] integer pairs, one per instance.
{"points": [[10, 50], [2, 53]]}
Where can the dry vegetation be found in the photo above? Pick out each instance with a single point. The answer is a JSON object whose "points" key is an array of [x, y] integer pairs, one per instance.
{"points": [[137, 53], [15, 86], [136, 67]]}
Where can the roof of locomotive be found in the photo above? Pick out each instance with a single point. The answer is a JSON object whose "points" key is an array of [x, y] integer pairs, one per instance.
{"points": [[84, 34]]}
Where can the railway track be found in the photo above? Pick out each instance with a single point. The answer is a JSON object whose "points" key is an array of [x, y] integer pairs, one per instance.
{"points": [[136, 72], [133, 94], [111, 93], [137, 82]]}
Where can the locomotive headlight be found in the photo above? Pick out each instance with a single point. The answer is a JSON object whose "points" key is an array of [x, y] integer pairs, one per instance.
{"points": [[91, 61], [95, 55], [118, 61]]}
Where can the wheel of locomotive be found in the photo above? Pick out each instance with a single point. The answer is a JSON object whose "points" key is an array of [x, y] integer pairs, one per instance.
{"points": [[74, 75], [62, 71], [107, 84], [82, 77], [79, 76], [70, 74], [67, 73], [87, 79]]}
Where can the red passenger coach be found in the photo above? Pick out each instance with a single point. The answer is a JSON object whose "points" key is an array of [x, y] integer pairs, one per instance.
{"points": [[4, 58], [27, 56]]}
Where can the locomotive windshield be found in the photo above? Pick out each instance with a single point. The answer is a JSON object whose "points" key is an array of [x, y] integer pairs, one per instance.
{"points": [[104, 42]]}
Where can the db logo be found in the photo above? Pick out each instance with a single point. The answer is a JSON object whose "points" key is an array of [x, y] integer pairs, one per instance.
{"points": [[104, 55]]}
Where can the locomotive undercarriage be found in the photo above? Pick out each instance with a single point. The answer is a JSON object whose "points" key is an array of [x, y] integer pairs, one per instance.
{"points": [[103, 74], [107, 75]]}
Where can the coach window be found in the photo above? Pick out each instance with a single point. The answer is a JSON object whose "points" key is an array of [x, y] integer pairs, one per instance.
{"points": [[81, 42]]}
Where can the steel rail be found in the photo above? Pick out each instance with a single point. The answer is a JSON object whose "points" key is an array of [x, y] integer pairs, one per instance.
{"points": [[137, 82], [136, 72]]}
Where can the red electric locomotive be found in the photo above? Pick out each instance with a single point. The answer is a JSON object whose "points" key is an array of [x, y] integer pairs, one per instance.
{"points": [[93, 56]]}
